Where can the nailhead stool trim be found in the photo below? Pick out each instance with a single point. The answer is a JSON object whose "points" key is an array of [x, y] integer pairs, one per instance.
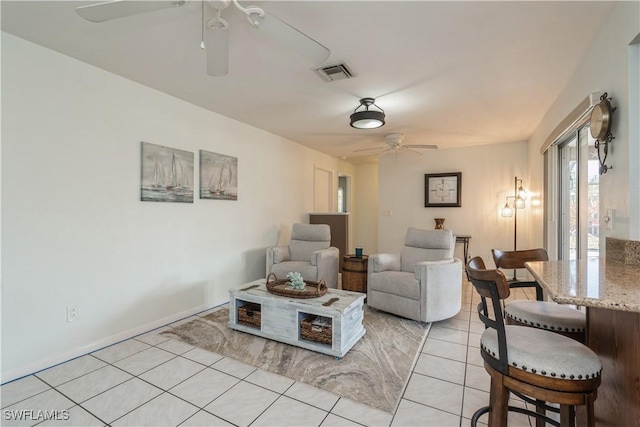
{"points": [[547, 315], [541, 353]]}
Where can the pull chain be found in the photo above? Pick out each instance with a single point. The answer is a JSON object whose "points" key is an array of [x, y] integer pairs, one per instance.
{"points": [[202, 26]]}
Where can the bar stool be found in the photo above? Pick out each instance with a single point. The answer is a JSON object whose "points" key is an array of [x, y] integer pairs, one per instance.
{"points": [[536, 365], [514, 260], [553, 317]]}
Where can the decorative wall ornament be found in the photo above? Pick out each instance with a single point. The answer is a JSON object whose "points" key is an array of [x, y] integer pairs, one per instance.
{"points": [[600, 127], [218, 176], [167, 174]]}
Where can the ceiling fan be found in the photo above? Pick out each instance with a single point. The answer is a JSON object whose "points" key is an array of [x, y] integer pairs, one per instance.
{"points": [[216, 36], [394, 143]]}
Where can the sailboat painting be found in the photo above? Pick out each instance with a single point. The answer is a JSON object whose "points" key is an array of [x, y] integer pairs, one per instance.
{"points": [[167, 174], [218, 176]]}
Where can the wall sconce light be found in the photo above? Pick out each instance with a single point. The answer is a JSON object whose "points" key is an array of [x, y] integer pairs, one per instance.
{"points": [[519, 197], [367, 119]]}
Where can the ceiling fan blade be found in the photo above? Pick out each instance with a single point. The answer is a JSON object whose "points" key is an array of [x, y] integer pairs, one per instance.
{"points": [[216, 44], [386, 151], [412, 151], [426, 147], [293, 39], [106, 11], [369, 149]]}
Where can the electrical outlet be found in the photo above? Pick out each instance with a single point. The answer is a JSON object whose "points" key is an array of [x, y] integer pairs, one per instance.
{"points": [[72, 313], [608, 219]]}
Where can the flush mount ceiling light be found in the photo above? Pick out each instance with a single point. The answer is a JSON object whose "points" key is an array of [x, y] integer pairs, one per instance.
{"points": [[367, 119]]}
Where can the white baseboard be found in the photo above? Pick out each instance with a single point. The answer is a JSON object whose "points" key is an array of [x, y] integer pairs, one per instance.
{"points": [[105, 342]]}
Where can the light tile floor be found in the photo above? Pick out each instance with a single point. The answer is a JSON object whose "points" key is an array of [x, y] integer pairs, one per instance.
{"points": [[150, 380]]}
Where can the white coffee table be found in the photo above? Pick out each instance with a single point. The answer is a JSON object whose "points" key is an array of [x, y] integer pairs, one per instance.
{"points": [[281, 317]]}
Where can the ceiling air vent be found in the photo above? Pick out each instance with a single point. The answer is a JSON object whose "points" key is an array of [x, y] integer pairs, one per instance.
{"points": [[331, 73]]}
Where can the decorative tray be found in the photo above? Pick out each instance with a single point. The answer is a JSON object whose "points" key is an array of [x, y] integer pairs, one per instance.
{"points": [[280, 287]]}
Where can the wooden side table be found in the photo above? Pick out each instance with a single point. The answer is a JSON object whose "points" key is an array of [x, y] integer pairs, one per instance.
{"points": [[464, 239], [354, 273]]}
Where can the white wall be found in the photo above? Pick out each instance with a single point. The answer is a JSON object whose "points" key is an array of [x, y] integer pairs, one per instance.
{"points": [[634, 135], [74, 231], [366, 214], [487, 178], [604, 68]]}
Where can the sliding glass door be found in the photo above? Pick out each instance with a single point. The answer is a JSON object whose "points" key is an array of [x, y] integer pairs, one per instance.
{"points": [[579, 197]]}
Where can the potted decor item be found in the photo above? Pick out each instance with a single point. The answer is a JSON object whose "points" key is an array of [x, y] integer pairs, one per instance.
{"points": [[296, 281], [439, 223]]}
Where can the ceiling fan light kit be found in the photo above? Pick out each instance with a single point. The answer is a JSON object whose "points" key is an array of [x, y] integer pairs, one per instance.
{"points": [[216, 36], [367, 119]]}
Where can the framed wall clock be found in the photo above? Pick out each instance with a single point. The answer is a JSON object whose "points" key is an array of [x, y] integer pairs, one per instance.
{"points": [[443, 190], [600, 123]]}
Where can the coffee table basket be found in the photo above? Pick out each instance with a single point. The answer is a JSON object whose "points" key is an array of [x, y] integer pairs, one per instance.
{"points": [[280, 287], [317, 329], [250, 314]]}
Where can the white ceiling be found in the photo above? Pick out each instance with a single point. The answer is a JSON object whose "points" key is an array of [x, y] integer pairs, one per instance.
{"points": [[446, 73]]}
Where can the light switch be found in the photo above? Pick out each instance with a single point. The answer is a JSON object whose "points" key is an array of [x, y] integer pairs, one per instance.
{"points": [[388, 212]]}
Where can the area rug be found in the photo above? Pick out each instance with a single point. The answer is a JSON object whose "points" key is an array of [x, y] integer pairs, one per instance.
{"points": [[374, 372]]}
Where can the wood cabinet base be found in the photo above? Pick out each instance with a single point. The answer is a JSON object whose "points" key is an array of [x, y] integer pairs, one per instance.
{"points": [[615, 337]]}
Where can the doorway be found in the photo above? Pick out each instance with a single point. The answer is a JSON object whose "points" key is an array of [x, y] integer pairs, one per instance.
{"points": [[579, 181], [344, 193]]}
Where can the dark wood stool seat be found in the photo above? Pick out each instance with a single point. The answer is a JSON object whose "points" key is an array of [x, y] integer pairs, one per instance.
{"points": [[537, 365]]}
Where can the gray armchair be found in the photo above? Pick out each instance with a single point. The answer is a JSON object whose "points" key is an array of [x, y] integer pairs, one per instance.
{"points": [[423, 282], [309, 253]]}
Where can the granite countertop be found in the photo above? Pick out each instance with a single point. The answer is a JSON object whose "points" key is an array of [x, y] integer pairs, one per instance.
{"points": [[591, 282]]}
